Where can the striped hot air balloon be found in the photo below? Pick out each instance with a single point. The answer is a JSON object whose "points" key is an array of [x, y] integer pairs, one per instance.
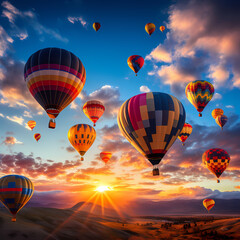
{"points": [[217, 112], [15, 192], [150, 28], [105, 156], [221, 120], [151, 122], [81, 136], [37, 136], [199, 93], [185, 133], [208, 203], [216, 160], [54, 77], [31, 124], [93, 109], [135, 62]]}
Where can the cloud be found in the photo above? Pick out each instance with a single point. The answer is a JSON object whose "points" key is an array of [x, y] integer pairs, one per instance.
{"points": [[212, 48], [70, 149], [10, 11], [77, 19], [229, 106], [109, 96], [16, 119], [216, 96], [144, 89], [11, 141], [5, 41], [27, 114]]}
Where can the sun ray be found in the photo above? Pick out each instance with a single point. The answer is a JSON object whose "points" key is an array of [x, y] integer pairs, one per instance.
{"points": [[70, 217], [102, 205]]}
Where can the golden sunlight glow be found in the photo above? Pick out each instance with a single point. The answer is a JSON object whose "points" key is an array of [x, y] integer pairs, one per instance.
{"points": [[103, 188]]}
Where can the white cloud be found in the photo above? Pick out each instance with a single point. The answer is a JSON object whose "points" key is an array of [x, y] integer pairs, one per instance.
{"points": [[77, 19], [216, 96], [11, 141], [229, 106], [22, 35], [160, 54], [144, 89], [16, 119], [73, 105], [27, 114], [1, 115]]}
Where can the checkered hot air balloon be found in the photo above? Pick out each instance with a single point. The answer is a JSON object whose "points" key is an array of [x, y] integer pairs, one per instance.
{"points": [[15, 192], [93, 109], [150, 28], [185, 133], [54, 77], [208, 203], [216, 160], [199, 93], [81, 136], [151, 122], [135, 62]]}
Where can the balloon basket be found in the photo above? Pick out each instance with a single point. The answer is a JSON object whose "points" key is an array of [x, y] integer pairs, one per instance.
{"points": [[155, 172], [52, 124], [218, 181], [200, 115], [14, 219], [82, 158]]}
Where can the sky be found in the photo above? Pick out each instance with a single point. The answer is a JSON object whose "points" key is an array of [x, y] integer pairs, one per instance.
{"points": [[201, 41]]}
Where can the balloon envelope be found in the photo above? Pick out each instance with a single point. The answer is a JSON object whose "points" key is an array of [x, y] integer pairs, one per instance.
{"points": [[31, 124], [151, 122], [216, 160], [96, 26], [81, 136], [150, 28], [216, 112], [105, 156], [185, 133], [135, 62], [54, 77], [37, 136], [208, 203], [162, 28], [15, 192], [199, 93], [93, 109], [221, 120]]}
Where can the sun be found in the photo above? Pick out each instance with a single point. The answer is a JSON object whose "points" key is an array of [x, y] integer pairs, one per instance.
{"points": [[103, 188]]}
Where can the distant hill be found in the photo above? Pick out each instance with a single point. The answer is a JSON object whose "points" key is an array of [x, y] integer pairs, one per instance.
{"points": [[184, 207]]}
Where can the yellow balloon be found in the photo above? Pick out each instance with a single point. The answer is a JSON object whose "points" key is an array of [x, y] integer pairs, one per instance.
{"points": [[81, 136], [162, 28], [216, 112]]}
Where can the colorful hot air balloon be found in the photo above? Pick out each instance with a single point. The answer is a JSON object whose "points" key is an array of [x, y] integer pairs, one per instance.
{"points": [[150, 28], [81, 136], [31, 124], [185, 133], [135, 62], [221, 120], [93, 109], [151, 122], [162, 28], [216, 160], [37, 136], [105, 156], [15, 192], [54, 77], [199, 93], [96, 26], [216, 112], [208, 203]]}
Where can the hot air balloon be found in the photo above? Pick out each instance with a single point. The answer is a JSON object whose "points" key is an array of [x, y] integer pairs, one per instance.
{"points": [[105, 156], [216, 160], [31, 124], [151, 122], [150, 28], [93, 109], [208, 203], [37, 136], [135, 62], [15, 192], [54, 77], [221, 120], [199, 93], [185, 133], [96, 26], [162, 28], [81, 136], [216, 112]]}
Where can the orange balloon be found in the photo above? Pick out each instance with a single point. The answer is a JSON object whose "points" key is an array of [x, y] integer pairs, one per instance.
{"points": [[105, 156]]}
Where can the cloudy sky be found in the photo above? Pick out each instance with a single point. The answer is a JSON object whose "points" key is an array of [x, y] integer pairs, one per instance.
{"points": [[201, 41]]}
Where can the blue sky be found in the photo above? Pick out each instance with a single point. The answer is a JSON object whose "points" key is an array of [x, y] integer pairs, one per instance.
{"points": [[193, 46]]}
